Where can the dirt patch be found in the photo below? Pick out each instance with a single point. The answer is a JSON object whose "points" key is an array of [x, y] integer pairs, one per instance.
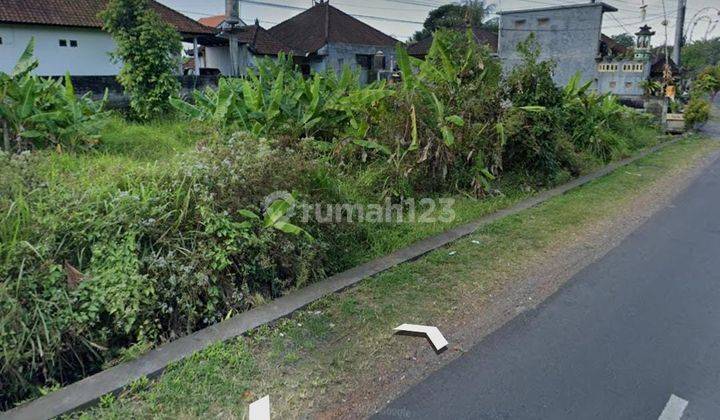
{"points": [[474, 315]]}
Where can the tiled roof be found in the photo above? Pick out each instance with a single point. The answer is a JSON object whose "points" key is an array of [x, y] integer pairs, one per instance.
{"points": [[84, 13], [255, 36], [483, 36], [323, 24], [212, 21], [613, 45], [657, 64], [260, 41]]}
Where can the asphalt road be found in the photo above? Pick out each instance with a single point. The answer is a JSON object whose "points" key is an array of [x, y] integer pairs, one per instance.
{"points": [[622, 337]]}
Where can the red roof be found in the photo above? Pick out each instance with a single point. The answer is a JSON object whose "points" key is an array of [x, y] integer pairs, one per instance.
{"points": [[212, 21], [257, 38], [84, 13], [323, 24]]}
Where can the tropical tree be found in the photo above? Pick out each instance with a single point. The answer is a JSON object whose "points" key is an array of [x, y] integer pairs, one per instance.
{"points": [[37, 111], [626, 40], [149, 50], [701, 54], [454, 15]]}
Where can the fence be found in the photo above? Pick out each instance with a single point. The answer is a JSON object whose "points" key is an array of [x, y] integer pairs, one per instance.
{"points": [[116, 95]]}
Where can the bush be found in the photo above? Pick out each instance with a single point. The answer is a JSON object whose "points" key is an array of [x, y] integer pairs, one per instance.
{"points": [[697, 112], [708, 82], [88, 270], [442, 124], [536, 144]]}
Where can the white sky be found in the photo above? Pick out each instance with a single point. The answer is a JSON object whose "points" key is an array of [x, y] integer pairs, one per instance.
{"points": [[412, 13]]}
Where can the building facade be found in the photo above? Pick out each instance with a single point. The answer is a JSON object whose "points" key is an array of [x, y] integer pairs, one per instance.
{"points": [[623, 78], [569, 35], [325, 38], [79, 51], [69, 37]]}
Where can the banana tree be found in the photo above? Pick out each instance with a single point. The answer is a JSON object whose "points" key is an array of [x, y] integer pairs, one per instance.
{"points": [[42, 111]]}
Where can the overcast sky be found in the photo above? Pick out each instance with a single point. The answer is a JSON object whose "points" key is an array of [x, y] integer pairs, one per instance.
{"points": [[401, 18]]}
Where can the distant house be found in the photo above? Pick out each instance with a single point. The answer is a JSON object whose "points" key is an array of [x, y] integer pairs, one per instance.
{"points": [[69, 37], [325, 37], [483, 36], [254, 42], [625, 76], [569, 34]]}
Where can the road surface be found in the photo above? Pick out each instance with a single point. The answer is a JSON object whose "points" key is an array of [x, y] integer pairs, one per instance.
{"points": [[635, 335]]}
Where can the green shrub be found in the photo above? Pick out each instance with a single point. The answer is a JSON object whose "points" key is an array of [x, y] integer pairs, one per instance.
{"points": [[535, 141], [442, 125], [596, 123], [697, 112], [88, 270], [707, 82]]}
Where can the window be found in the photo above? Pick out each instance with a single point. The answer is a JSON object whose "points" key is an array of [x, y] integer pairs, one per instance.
{"points": [[63, 42], [520, 23], [364, 61], [543, 21], [341, 63], [613, 85], [607, 67], [73, 43], [628, 85], [0, 40], [634, 68]]}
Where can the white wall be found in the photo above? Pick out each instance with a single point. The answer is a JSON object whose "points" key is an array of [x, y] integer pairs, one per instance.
{"points": [[90, 58], [217, 58], [569, 35]]}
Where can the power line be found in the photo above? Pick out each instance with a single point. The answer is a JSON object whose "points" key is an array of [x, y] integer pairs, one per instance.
{"points": [[619, 22], [288, 7]]}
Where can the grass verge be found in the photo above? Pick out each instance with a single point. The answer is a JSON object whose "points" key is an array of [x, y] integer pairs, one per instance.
{"points": [[320, 355]]}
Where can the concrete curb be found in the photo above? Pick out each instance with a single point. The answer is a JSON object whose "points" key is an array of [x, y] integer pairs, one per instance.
{"points": [[88, 391]]}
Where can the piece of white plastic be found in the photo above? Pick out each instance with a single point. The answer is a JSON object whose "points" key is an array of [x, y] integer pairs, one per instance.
{"points": [[260, 409], [434, 334]]}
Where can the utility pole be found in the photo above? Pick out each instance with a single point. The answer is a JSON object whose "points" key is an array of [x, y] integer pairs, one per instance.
{"points": [[679, 31]]}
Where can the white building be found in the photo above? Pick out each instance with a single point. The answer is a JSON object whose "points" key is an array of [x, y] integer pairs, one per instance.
{"points": [[68, 35], [254, 42]]}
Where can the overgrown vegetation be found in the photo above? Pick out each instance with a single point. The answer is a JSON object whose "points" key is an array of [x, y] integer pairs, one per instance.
{"points": [[704, 90], [98, 260], [314, 360], [700, 54], [149, 49], [40, 112]]}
